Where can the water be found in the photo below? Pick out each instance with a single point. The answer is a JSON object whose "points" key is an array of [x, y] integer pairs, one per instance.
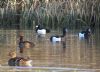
{"points": [[73, 53]]}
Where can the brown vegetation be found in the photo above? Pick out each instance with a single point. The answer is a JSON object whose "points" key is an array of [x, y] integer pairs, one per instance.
{"points": [[51, 13]]}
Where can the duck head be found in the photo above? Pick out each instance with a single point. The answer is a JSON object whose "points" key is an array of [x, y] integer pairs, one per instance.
{"points": [[65, 30], [39, 27]]}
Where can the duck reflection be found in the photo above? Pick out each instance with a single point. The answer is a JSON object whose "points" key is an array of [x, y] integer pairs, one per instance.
{"points": [[63, 43]]}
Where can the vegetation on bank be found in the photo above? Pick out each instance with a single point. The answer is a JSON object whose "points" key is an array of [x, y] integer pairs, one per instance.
{"points": [[54, 14]]}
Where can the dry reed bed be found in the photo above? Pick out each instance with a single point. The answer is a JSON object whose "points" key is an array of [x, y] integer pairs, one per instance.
{"points": [[53, 14]]}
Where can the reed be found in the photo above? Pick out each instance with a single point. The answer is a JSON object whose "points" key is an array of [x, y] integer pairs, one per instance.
{"points": [[74, 14]]}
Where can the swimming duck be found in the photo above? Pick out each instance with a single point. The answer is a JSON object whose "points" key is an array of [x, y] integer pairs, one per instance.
{"points": [[84, 34], [59, 38], [41, 30]]}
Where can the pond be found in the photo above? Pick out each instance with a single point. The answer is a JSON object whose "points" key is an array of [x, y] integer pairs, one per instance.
{"points": [[72, 53]]}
